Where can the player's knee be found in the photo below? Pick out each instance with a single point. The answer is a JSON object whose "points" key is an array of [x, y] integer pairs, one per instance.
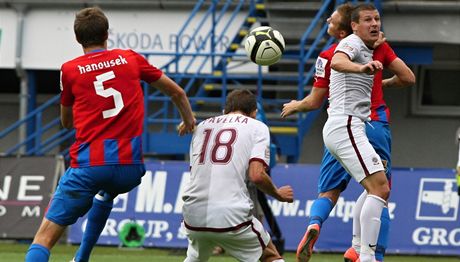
{"points": [[270, 253], [332, 195], [385, 192], [381, 190]]}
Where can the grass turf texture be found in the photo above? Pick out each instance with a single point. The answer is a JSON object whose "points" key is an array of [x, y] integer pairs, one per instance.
{"points": [[15, 252]]}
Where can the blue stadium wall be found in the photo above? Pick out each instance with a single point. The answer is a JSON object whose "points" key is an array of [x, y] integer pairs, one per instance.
{"points": [[424, 210]]}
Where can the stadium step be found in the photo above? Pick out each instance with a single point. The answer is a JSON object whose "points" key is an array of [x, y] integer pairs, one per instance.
{"points": [[253, 87]]}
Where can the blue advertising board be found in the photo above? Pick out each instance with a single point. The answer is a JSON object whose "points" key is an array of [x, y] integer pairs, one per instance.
{"points": [[423, 208]]}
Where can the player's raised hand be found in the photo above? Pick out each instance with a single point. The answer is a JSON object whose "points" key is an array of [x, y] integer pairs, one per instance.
{"points": [[382, 39], [290, 108], [371, 68], [286, 194], [186, 127]]}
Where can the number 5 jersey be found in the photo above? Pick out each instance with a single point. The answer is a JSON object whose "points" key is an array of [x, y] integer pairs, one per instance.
{"points": [[103, 88]]}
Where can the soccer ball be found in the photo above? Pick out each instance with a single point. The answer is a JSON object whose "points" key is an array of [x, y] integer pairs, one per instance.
{"points": [[264, 45]]}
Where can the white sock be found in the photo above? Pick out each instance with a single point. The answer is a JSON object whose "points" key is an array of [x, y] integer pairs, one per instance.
{"points": [[370, 226], [356, 240]]}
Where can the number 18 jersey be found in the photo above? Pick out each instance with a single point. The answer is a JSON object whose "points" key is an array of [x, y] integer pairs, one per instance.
{"points": [[222, 148], [104, 91]]}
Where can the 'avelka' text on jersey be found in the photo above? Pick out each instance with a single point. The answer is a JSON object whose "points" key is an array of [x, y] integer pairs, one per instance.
{"points": [[222, 148]]}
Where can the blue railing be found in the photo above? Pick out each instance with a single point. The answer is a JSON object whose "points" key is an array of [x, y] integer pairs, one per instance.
{"points": [[40, 146], [194, 66]]}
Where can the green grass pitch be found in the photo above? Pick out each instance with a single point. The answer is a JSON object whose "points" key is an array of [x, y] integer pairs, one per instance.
{"points": [[14, 252]]}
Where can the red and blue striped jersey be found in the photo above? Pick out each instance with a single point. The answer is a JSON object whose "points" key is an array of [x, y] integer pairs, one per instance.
{"points": [[383, 53], [379, 109], [107, 102]]}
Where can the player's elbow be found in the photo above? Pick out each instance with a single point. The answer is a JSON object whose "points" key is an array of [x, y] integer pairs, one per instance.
{"points": [[178, 94], [315, 104], [257, 175], [408, 79], [68, 124], [257, 179]]}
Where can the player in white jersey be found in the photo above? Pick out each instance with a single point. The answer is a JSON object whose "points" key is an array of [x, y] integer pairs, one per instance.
{"points": [[458, 162], [225, 152], [349, 107]]}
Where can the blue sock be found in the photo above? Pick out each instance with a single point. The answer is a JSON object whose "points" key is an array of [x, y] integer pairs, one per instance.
{"points": [[97, 217], [382, 241], [320, 210], [37, 253]]}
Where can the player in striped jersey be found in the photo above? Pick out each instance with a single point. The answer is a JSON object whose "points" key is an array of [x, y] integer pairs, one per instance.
{"points": [[102, 98], [225, 152]]}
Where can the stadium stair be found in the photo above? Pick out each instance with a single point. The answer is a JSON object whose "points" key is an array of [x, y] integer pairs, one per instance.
{"points": [[274, 87], [302, 23]]}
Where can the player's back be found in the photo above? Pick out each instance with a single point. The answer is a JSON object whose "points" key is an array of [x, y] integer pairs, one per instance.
{"points": [[104, 91], [221, 149]]}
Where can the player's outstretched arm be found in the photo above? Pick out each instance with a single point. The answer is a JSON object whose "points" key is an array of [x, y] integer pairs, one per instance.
{"points": [[66, 117], [342, 63], [404, 77], [313, 101], [259, 177], [179, 98]]}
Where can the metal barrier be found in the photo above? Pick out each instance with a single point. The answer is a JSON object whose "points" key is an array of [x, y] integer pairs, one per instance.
{"points": [[200, 72]]}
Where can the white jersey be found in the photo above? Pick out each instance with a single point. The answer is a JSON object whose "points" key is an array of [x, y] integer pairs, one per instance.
{"points": [[221, 149], [458, 143], [350, 93]]}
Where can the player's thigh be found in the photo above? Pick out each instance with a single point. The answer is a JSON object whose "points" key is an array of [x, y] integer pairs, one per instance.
{"points": [[123, 178], [246, 244], [200, 245], [332, 174], [360, 159], [73, 197], [347, 141], [379, 135]]}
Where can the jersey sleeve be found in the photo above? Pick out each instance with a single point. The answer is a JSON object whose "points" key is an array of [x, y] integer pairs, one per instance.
{"points": [[349, 47], [322, 70], [149, 73], [390, 54], [67, 97], [261, 149]]}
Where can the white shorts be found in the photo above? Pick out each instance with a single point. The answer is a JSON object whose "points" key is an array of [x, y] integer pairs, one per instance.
{"points": [[245, 244], [345, 137]]}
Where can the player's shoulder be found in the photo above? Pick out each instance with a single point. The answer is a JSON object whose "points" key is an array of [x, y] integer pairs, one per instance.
{"points": [[328, 53], [124, 52], [384, 47], [352, 40], [258, 126], [353, 37], [350, 44], [72, 62]]}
